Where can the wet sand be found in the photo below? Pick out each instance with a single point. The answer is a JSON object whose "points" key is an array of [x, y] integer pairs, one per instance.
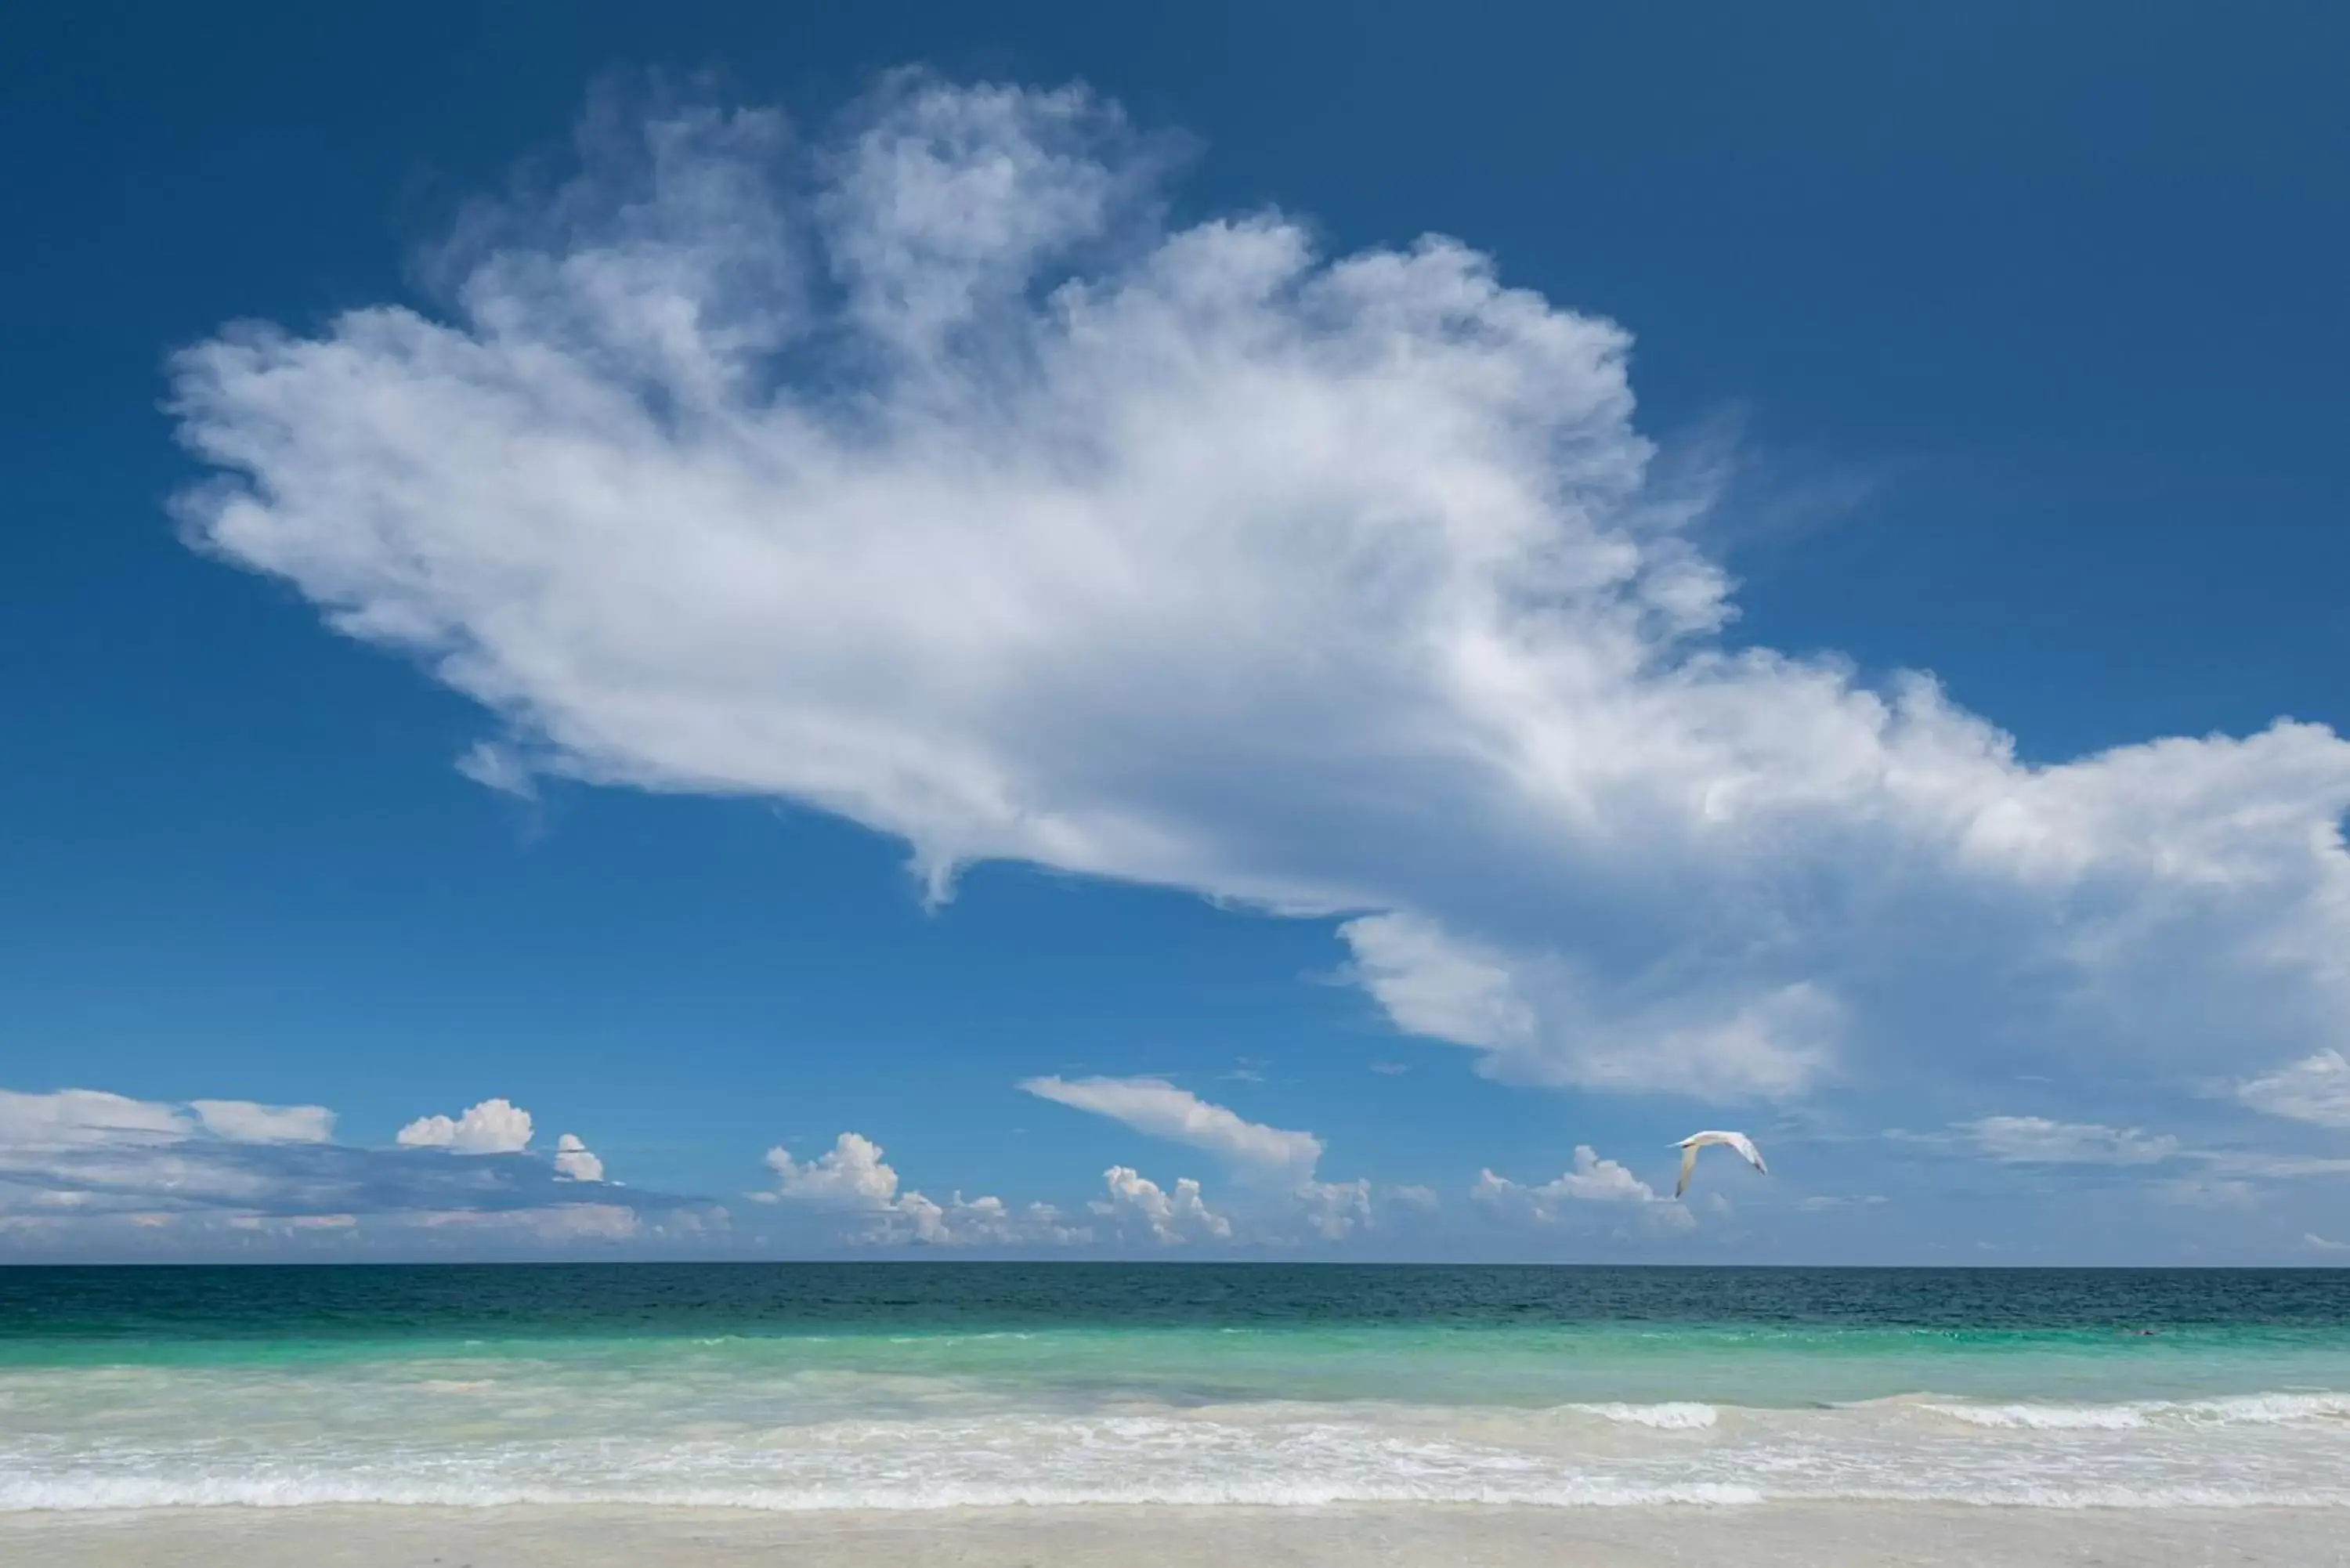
{"points": [[1770, 1535]]}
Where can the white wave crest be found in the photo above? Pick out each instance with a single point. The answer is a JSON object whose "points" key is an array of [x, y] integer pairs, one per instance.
{"points": [[2045, 1417], [2246, 1410], [2268, 1409], [1674, 1416]]}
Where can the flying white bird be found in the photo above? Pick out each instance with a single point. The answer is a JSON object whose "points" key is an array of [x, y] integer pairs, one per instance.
{"points": [[1695, 1141]]}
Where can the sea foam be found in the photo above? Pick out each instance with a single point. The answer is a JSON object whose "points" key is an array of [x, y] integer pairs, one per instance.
{"points": [[2253, 1450]]}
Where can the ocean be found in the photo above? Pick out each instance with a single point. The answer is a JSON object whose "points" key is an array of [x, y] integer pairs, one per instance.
{"points": [[905, 1386]]}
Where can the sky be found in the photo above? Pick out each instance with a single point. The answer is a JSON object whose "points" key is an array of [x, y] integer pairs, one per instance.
{"points": [[717, 631]]}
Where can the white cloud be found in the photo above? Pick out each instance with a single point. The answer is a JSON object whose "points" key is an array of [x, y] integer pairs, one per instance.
{"points": [[1196, 558], [242, 1121], [1597, 1180], [82, 1117], [1269, 1155], [1432, 984], [1131, 1200], [1591, 1180], [80, 1167], [852, 1179], [851, 1174], [574, 1162], [2318, 1243], [86, 1154], [493, 1127], [2039, 1140], [1159, 1109], [498, 768], [854, 1182], [2236, 1162], [2030, 1140], [1336, 1209], [979, 1222], [2315, 1088], [1046, 1223]]}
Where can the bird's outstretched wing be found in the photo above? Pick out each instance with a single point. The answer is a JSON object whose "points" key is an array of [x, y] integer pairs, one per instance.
{"points": [[1695, 1141]]}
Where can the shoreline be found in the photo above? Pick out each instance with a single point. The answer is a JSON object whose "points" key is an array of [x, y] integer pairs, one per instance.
{"points": [[1758, 1535]]}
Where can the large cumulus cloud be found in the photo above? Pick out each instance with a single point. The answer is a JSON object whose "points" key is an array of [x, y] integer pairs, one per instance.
{"points": [[923, 475]]}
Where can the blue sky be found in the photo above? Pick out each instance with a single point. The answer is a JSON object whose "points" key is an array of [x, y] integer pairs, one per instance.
{"points": [[917, 629]]}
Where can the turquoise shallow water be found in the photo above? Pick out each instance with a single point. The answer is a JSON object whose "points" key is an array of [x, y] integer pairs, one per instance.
{"points": [[908, 1386]]}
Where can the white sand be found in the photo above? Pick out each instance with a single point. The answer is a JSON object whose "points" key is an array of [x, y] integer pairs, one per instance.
{"points": [[1769, 1536]]}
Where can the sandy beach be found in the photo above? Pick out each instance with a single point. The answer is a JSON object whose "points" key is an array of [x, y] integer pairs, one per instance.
{"points": [[1768, 1536]]}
